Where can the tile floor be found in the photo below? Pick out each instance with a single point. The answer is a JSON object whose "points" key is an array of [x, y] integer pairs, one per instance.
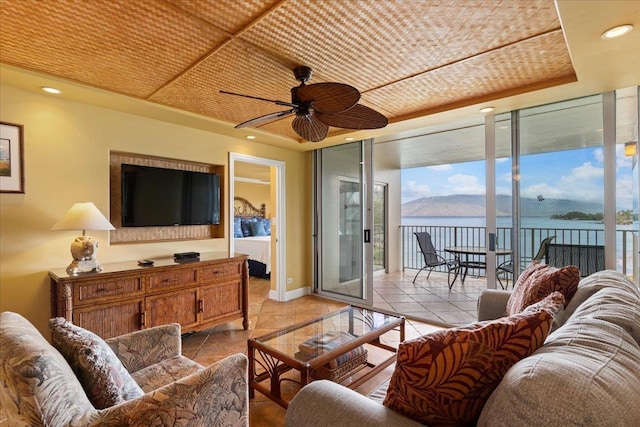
{"points": [[427, 304], [427, 299]]}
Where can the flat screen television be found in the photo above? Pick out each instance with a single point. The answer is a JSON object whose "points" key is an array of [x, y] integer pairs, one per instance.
{"points": [[154, 196]]}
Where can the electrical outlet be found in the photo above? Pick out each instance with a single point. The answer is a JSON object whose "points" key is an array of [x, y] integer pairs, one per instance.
{"points": [[289, 280]]}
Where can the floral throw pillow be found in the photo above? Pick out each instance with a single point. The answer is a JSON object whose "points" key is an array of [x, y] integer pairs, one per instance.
{"points": [[445, 378], [103, 377], [539, 280]]}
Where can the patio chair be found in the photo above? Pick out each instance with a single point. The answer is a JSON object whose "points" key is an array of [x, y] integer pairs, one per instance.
{"points": [[432, 259], [506, 267]]}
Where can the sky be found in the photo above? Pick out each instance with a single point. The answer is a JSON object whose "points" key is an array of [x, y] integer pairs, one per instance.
{"points": [[572, 174], [4, 149]]}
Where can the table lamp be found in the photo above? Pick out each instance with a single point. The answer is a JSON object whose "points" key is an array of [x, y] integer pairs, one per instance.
{"points": [[84, 216]]}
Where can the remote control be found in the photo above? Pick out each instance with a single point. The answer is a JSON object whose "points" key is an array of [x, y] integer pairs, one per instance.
{"points": [[145, 263]]}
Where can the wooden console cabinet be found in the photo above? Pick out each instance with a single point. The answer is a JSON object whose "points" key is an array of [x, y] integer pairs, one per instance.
{"points": [[125, 297]]}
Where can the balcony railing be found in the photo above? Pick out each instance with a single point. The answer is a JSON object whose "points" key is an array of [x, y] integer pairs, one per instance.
{"points": [[530, 238]]}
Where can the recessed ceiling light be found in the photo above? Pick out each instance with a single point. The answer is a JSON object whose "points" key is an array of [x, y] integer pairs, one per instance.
{"points": [[51, 90], [251, 137], [487, 109], [349, 138], [618, 31]]}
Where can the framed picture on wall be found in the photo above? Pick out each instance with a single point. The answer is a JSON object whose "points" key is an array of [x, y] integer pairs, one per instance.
{"points": [[11, 158]]}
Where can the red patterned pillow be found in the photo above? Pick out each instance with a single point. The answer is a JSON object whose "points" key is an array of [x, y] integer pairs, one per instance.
{"points": [[539, 280], [445, 378]]}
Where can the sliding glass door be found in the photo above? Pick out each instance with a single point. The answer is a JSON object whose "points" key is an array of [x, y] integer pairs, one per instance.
{"points": [[344, 225], [562, 183]]}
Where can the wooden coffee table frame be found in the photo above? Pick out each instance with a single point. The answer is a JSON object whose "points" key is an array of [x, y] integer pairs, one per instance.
{"points": [[275, 363]]}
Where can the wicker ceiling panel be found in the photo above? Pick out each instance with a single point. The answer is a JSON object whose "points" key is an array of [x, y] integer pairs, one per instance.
{"points": [[237, 67], [228, 15], [123, 46], [406, 57], [489, 76], [418, 35]]}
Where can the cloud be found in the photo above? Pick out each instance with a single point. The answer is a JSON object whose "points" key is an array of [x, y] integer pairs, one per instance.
{"points": [[582, 183], [411, 190], [622, 161], [546, 190], [464, 184], [440, 168], [598, 155], [503, 183], [587, 172], [504, 177], [624, 193]]}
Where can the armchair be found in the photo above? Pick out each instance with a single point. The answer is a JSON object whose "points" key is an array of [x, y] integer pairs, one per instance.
{"points": [[506, 268], [38, 387], [432, 259]]}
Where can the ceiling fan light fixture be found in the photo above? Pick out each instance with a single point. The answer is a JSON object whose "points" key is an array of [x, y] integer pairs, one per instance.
{"points": [[487, 109], [617, 31], [317, 107]]}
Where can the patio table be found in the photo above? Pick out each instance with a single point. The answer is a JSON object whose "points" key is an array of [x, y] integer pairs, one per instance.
{"points": [[463, 253]]}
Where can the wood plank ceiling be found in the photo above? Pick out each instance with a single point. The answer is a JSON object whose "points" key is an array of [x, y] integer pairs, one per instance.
{"points": [[408, 58]]}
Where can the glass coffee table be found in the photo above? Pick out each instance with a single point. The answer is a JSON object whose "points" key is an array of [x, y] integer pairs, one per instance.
{"points": [[331, 346]]}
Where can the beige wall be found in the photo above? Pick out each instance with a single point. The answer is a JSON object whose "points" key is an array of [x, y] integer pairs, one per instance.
{"points": [[66, 149]]}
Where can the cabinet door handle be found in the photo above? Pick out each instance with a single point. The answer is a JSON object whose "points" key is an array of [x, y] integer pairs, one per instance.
{"points": [[200, 306], [143, 319]]}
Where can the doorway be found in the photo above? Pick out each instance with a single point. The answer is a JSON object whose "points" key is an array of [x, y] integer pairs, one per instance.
{"points": [[243, 170]]}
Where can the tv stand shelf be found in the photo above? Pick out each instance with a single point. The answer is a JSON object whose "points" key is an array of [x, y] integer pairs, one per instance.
{"points": [[126, 297]]}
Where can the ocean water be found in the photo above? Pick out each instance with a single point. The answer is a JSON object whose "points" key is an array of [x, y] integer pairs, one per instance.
{"points": [[526, 222], [566, 231]]}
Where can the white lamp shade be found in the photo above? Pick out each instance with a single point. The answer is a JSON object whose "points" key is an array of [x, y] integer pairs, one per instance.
{"points": [[83, 216]]}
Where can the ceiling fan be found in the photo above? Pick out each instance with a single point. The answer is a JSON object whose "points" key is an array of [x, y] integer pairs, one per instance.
{"points": [[318, 106]]}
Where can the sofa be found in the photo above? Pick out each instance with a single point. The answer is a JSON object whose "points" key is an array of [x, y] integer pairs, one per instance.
{"points": [[586, 372], [39, 386]]}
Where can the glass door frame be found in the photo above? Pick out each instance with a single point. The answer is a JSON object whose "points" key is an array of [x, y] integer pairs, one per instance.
{"points": [[490, 200], [366, 215]]}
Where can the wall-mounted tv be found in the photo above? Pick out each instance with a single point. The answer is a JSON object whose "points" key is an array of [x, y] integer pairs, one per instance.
{"points": [[154, 196]]}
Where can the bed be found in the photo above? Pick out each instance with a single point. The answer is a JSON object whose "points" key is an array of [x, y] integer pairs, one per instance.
{"points": [[252, 236]]}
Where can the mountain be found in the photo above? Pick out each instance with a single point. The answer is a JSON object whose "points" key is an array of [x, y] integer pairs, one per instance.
{"points": [[474, 205]]}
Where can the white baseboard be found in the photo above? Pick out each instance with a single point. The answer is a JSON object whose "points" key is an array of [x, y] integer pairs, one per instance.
{"points": [[290, 295]]}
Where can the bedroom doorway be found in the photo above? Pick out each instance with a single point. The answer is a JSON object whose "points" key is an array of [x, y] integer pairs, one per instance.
{"points": [[249, 179]]}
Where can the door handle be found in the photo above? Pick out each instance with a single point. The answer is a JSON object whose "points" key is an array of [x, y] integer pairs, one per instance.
{"points": [[367, 236], [492, 242]]}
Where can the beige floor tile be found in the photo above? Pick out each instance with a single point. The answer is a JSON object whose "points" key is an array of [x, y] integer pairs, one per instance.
{"points": [[396, 294]]}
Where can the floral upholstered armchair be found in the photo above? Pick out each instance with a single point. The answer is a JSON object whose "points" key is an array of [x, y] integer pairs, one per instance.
{"points": [[138, 379]]}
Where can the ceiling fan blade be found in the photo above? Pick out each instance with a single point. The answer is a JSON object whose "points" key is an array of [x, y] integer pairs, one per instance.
{"points": [[310, 128], [329, 98], [267, 118], [357, 117], [275, 101]]}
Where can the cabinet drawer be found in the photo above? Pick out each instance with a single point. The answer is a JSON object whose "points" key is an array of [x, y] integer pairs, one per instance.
{"points": [[222, 271], [183, 277], [96, 290]]}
